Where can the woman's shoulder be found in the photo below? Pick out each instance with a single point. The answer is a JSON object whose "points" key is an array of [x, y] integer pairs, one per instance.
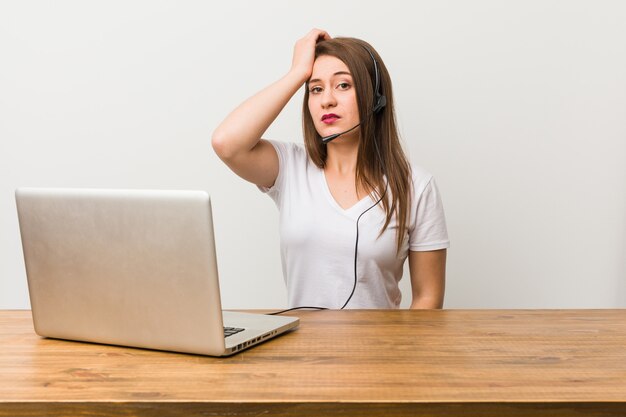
{"points": [[288, 149], [292, 157], [420, 178]]}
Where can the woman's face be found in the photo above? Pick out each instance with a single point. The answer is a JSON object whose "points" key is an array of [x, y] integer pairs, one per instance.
{"points": [[332, 98]]}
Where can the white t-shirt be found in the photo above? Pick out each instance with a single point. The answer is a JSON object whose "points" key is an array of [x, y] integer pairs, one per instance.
{"points": [[317, 237]]}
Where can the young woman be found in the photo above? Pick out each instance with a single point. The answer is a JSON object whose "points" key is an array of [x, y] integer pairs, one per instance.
{"points": [[352, 208]]}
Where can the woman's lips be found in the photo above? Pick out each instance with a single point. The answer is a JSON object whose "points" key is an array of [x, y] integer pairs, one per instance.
{"points": [[329, 118]]}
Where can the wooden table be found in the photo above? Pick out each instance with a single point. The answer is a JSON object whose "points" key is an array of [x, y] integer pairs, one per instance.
{"points": [[347, 363]]}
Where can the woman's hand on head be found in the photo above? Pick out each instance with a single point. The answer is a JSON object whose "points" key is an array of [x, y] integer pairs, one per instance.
{"points": [[304, 53]]}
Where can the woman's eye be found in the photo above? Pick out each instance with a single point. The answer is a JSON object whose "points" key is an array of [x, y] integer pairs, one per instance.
{"points": [[343, 86], [315, 89]]}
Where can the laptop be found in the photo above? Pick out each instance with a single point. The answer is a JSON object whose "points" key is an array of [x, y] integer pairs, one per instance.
{"points": [[133, 268]]}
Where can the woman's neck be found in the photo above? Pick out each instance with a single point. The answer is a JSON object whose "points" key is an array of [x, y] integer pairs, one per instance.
{"points": [[342, 157]]}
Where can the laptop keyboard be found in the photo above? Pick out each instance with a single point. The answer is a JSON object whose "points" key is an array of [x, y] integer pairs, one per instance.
{"points": [[229, 331]]}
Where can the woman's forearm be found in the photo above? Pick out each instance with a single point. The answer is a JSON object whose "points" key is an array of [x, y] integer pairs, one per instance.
{"points": [[244, 126]]}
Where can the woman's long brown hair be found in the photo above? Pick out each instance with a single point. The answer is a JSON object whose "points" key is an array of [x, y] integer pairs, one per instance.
{"points": [[379, 133]]}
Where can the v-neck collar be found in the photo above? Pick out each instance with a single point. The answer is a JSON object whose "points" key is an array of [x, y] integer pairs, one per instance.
{"points": [[352, 212]]}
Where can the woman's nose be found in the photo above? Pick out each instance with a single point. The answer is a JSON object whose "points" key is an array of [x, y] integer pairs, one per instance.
{"points": [[328, 98]]}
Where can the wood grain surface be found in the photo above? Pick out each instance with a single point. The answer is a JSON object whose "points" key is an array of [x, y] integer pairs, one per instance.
{"points": [[367, 362]]}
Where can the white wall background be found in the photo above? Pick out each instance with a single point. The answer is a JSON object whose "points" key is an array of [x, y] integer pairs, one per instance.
{"points": [[517, 107]]}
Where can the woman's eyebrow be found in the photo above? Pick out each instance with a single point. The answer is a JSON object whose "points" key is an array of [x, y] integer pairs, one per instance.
{"points": [[337, 73]]}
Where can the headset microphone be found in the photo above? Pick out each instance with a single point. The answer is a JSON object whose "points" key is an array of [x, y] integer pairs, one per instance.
{"points": [[327, 139]]}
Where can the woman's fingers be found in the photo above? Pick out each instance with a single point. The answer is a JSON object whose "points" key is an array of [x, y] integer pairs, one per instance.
{"points": [[304, 52]]}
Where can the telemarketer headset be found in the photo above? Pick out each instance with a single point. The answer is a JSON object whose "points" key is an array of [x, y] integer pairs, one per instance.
{"points": [[380, 101]]}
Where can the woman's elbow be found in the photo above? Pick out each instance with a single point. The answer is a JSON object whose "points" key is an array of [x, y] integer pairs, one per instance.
{"points": [[221, 145]]}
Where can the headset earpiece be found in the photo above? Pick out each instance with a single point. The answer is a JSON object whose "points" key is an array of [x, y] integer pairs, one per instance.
{"points": [[380, 101]]}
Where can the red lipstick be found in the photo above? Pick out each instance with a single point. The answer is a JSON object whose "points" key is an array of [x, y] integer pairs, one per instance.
{"points": [[329, 118]]}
